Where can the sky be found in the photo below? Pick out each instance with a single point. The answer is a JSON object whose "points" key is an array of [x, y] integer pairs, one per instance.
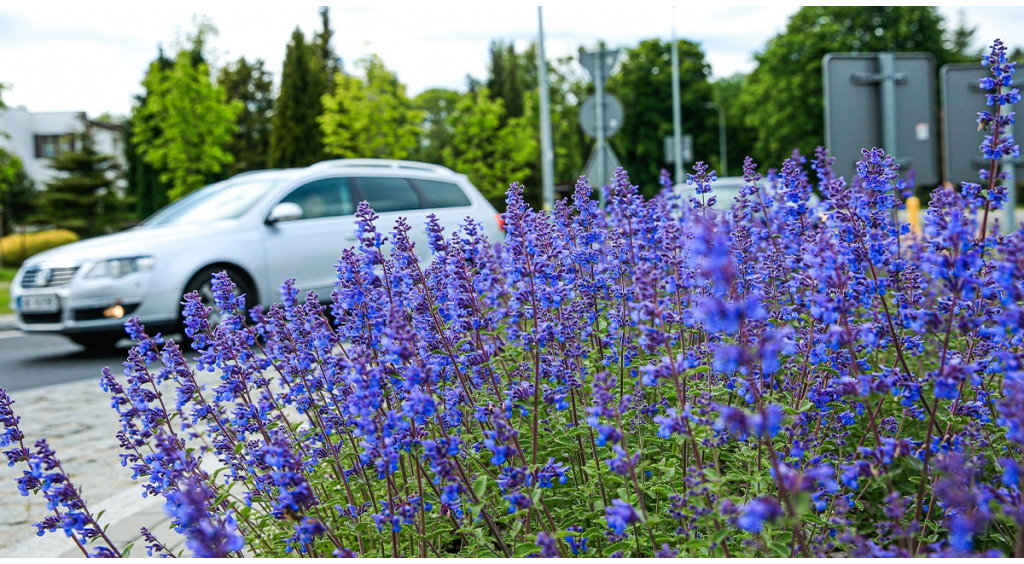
{"points": [[91, 56]]}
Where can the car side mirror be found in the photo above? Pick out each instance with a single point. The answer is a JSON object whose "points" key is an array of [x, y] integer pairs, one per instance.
{"points": [[285, 211]]}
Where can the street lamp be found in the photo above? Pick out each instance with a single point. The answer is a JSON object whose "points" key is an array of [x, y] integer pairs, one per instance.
{"points": [[721, 137]]}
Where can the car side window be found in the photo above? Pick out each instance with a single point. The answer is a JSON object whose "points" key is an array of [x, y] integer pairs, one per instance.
{"points": [[438, 194], [327, 197], [386, 193]]}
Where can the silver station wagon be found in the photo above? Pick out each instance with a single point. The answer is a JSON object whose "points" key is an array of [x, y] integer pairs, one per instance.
{"points": [[261, 227]]}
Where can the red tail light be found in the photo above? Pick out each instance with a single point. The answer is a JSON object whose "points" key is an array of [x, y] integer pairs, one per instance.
{"points": [[501, 222]]}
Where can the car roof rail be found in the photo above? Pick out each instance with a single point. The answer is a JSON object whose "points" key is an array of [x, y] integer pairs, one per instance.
{"points": [[381, 163], [249, 172]]}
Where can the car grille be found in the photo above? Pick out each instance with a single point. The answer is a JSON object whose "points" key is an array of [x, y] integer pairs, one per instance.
{"points": [[56, 277], [31, 318]]}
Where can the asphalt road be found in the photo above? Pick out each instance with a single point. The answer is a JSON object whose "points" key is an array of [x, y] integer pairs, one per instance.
{"points": [[31, 361]]}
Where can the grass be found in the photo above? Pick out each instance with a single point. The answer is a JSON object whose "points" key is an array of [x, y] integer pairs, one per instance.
{"points": [[6, 276]]}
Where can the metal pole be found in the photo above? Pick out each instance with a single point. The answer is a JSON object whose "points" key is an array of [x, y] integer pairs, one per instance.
{"points": [[887, 90], [547, 154], [599, 87], [723, 161], [677, 110], [1010, 168]]}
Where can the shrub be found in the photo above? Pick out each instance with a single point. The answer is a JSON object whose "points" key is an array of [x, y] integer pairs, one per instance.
{"points": [[17, 247], [657, 379]]}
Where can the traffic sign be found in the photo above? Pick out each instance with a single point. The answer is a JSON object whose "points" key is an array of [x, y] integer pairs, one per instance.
{"points": [[595, 175], [962, 99], [612, 115], [606, 60], [865, 104], [670, 149]]}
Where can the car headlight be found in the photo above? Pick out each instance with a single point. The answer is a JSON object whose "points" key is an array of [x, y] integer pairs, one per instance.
{"points": [[116, 268]]}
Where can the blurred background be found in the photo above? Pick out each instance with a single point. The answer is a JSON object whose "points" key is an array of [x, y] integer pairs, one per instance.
{"points": [[109, 113]]}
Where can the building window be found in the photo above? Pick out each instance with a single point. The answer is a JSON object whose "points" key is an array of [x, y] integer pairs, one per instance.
{"points": [[52, 146]]}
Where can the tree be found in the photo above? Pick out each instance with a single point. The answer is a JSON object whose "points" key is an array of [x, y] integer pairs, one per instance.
{"points": [[436, 104], [644, 86], [371, 116], [330, 62], [82, 199], [18, 195], [507, 79], [740, 140], [490, 155], [146, 192], [252, 86], [782, 101], [185, 126], [296, 139]]}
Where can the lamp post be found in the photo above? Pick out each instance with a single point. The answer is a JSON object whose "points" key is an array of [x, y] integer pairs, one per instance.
{"points": [[722, 154]]}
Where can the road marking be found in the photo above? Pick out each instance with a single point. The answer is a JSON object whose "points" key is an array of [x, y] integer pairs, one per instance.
{"points": [[11, 334]]}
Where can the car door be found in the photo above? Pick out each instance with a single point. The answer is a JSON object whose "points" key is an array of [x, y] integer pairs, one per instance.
{"points": [[447, 201], [307, 248], [392, 197]]}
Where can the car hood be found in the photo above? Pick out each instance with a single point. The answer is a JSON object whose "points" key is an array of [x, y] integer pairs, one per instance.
{"points": [[137, 241]]}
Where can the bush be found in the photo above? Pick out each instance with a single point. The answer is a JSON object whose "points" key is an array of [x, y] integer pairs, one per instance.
{"points": [[17, 247], [656, 379]]}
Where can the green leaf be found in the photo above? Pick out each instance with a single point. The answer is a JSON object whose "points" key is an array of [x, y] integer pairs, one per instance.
{"points": [[480, 486], [127, 551], [780, 549], [719, 535]]}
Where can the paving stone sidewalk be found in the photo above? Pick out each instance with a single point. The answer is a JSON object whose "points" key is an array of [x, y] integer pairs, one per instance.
{"points": [[77, 421]]}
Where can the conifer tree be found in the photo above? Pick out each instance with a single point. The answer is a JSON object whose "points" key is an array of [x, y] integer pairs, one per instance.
{"points": [[296, 139], [82, 198], [252, 86]]}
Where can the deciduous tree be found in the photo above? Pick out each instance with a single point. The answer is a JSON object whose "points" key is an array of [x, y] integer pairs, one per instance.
{"points": [[185, 126], [370, 116]]}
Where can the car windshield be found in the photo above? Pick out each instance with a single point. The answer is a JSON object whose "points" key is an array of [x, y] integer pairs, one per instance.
{"points": [[216, 202]]}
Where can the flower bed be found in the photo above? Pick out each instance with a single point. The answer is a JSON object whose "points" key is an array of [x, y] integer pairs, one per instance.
{"points": [[655, 379]]}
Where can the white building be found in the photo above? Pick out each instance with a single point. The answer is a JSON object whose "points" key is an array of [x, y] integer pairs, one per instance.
{"points": [[37, 137]]}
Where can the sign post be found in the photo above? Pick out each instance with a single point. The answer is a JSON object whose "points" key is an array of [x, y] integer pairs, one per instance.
{"points": [[962, 99], [882, 100], [599, 64]]}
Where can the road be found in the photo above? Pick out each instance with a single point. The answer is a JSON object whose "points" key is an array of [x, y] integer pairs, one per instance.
{"points": [[31, 361]]}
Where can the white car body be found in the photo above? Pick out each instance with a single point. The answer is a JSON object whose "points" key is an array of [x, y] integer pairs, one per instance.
{"points": [[54, 291]]}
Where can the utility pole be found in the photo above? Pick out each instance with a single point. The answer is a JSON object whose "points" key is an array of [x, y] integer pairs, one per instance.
{"points": [[547, 153], [723, 161], [677, 110]]}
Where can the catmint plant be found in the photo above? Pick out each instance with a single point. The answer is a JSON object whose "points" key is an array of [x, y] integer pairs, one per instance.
{"points": [[663, 378]]}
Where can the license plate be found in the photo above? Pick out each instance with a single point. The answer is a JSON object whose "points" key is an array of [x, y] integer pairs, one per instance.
{"points": [[40, 303]]}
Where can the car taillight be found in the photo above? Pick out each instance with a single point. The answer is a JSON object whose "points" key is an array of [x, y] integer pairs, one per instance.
{"points": [[501, 222]]}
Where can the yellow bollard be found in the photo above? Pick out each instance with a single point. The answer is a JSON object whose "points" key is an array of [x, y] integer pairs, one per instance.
{"points": [[914, 214]]}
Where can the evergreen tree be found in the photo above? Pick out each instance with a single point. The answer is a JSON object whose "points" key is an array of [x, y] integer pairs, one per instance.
{"points": [[644, 86], [371, 116], [252, 86], [783, 101], [185, 126], [330, 62], [296, 139], [82, 199]]}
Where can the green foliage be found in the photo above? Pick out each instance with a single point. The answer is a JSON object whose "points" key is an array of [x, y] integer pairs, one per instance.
{"points": [[330, 62], [644, 85], [783, 100], [252, 86], [370, 117], [185, 126], [146, 192], [296, 139], [725, 94], [17, 192], [17, 247], [490, 155], [82, 199], [436, 104]]}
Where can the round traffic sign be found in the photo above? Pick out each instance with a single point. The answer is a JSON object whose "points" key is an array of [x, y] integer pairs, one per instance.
{"points": [[612, 115]]}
